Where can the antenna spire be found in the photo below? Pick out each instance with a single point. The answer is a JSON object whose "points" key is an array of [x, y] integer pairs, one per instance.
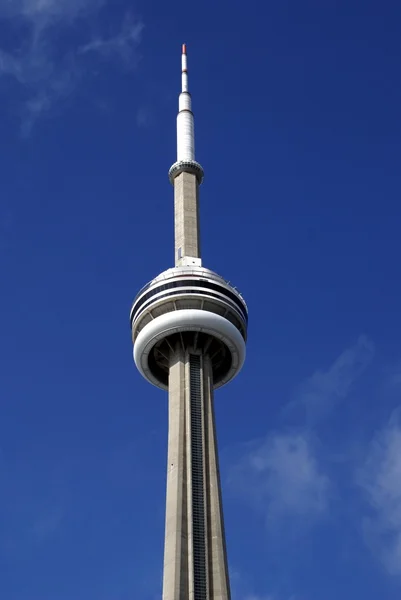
{"points": [[185, 129], [185, 119], [184, 63]]}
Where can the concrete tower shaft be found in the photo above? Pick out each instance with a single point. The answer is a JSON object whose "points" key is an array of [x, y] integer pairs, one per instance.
{"points": [[195, 563]]}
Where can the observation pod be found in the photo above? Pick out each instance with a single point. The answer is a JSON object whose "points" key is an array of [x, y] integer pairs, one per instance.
{"points": [[195, 308]]}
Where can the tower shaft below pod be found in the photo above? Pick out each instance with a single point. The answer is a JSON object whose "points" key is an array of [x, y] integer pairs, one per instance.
{"points": [[195, 561]]}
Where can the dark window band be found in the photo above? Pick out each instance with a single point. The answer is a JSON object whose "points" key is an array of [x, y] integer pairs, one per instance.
{"points": [[207, 295], [191, 282]]}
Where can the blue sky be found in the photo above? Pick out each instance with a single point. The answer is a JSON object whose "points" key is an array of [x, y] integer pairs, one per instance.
{"points": [[297, 108]]}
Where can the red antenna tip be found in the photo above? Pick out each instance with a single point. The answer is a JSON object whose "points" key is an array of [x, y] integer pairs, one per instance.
{"points": [[184, 48]]}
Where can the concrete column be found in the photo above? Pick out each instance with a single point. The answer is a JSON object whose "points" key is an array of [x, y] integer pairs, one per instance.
{"points": [[219, 585], [179, 582], [175, 576], [186, 217]]}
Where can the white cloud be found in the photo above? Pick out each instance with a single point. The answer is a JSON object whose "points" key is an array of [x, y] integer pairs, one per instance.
{"points": [[380, 479], [281, 474], [319, 394], [281, 477], [47, 61], [119, 45], [242, 589], [39, 11]]}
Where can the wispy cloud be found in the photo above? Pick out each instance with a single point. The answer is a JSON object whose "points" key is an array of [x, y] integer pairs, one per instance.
{"points": [[242, 589], [119, 45], [281, 477], [46, 10], [380, 479], [325, 389], [51, 38]]}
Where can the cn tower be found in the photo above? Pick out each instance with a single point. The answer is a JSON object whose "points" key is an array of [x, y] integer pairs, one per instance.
{"points": [[189, 328]]}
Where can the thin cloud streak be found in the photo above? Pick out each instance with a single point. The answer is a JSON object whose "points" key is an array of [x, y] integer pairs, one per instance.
{"points": [[43, 11], [281, 475], [317, 397], [45, 75], [380, 480], [281, 478], [242, 589], [119, 45]]}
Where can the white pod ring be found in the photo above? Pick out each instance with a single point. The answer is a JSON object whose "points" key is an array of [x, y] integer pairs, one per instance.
{"points": [[189, 320]]}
